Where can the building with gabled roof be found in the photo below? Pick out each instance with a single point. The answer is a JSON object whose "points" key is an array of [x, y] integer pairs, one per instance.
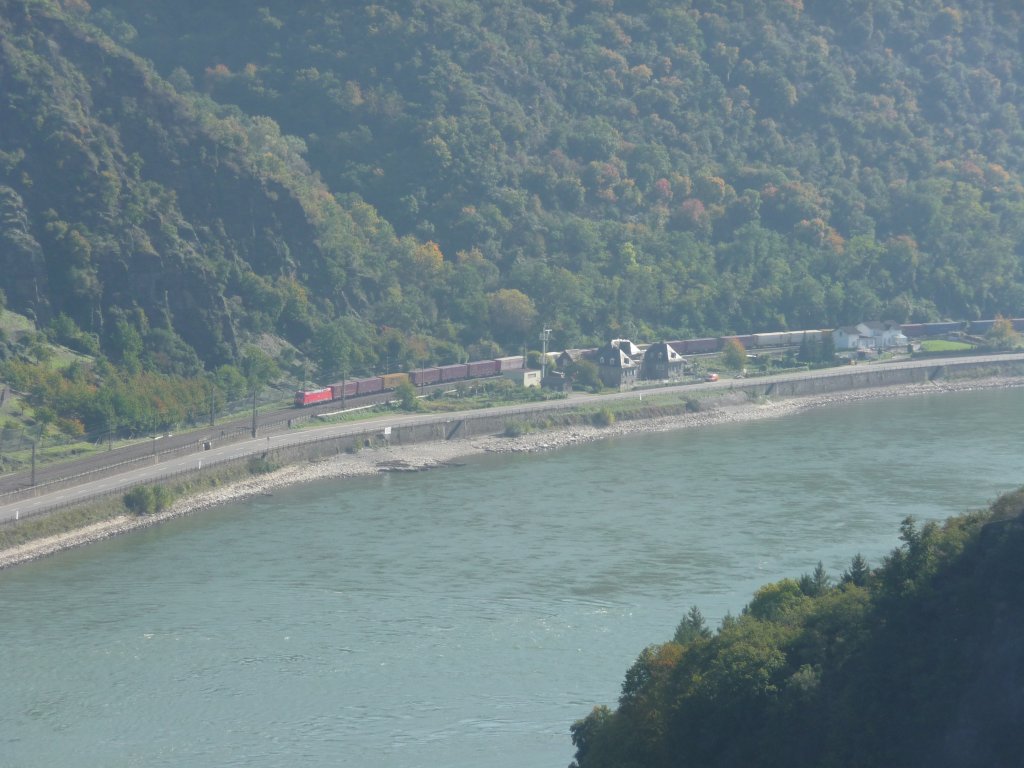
{"points": [[618, 363], [661, 362]]}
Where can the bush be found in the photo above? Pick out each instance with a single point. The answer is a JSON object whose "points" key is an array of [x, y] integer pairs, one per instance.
{"points": [[260, 465], [162, 497], [407, 399], [516, 428], [140, 500], [146, 499], [603, 418]]}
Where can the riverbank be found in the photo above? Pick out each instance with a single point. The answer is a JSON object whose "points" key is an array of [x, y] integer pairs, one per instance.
{"points": [[425, 456]]}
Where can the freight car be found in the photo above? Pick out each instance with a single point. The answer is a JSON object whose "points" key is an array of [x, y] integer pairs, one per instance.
{"points": [[512, 363], [420, 377], [423, 376], [394, 380], [455, 372], [369, 386], [344, 389], [696, 346], [481, 368]]}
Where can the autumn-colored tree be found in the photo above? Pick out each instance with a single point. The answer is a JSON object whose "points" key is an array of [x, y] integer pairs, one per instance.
{"points": [[734, 354], [1002, 335]]}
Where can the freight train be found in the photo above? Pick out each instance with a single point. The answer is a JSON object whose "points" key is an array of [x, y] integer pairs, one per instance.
{"points": [[421, 377]]}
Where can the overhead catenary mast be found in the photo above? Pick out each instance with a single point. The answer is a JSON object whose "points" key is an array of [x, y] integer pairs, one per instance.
{"points": [[545, 337]]}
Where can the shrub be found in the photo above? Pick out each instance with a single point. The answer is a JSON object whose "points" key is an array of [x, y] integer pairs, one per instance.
{"points": [[603, 418], [140, 500], [407, 400], [162, 497], [260, 465], [146, 499], [516, 428]]}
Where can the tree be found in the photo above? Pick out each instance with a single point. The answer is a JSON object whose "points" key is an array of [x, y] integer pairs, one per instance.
{"points": [[407, 399], [512, 315], [734, 354], [817, 583], [258, 368], [1002, 335], [584, 374], [858, 572], [691, 628], [828, 348], [585, 732], [331, 351], [126, 345], [804, 354], [231, 382]]}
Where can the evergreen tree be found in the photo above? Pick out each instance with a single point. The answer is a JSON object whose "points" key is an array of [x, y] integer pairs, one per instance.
{"points": [[692, 627], [858, 572], [828, 348], [817, 583]]}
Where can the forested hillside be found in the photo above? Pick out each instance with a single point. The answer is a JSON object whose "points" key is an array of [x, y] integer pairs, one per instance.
{"points": [[404, 182], [916, 663]]}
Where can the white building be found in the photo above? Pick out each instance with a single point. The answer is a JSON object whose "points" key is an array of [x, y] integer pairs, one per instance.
{"points": [[870, 335]]}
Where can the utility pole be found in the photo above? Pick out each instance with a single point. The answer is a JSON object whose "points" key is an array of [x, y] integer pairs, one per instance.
{"points": [[156, 458], [212, 419], [545, 337], [33, 464], [254, 412]]}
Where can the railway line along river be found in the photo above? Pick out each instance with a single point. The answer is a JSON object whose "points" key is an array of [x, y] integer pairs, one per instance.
{"points": [[464, 616]]}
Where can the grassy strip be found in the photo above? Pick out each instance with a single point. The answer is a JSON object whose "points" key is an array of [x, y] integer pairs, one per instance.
{"points": [[100, 510], [606, 414], [1009, 368], [63, 521]]}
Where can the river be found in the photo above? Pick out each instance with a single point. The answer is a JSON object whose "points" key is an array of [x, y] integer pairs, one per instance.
{"points": [[465, 616]]}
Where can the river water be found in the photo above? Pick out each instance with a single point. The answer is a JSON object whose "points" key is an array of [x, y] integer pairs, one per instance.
{"points": [[465, 616]]}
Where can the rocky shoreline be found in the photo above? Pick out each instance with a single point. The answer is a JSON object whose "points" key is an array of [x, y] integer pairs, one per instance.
{"points": [[424, 456]]}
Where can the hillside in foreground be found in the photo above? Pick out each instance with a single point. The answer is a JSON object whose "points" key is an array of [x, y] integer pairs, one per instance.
{"points": [[919, 662]]}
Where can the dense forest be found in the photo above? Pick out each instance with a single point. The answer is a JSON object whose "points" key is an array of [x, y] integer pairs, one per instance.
{"points": [[372, 186], [918, 662]]}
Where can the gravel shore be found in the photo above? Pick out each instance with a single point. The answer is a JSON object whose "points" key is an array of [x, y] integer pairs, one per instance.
{"points": [[426, 456]]}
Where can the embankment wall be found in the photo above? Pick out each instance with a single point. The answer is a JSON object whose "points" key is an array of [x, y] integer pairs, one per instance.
{"points": [[865, 377]]}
